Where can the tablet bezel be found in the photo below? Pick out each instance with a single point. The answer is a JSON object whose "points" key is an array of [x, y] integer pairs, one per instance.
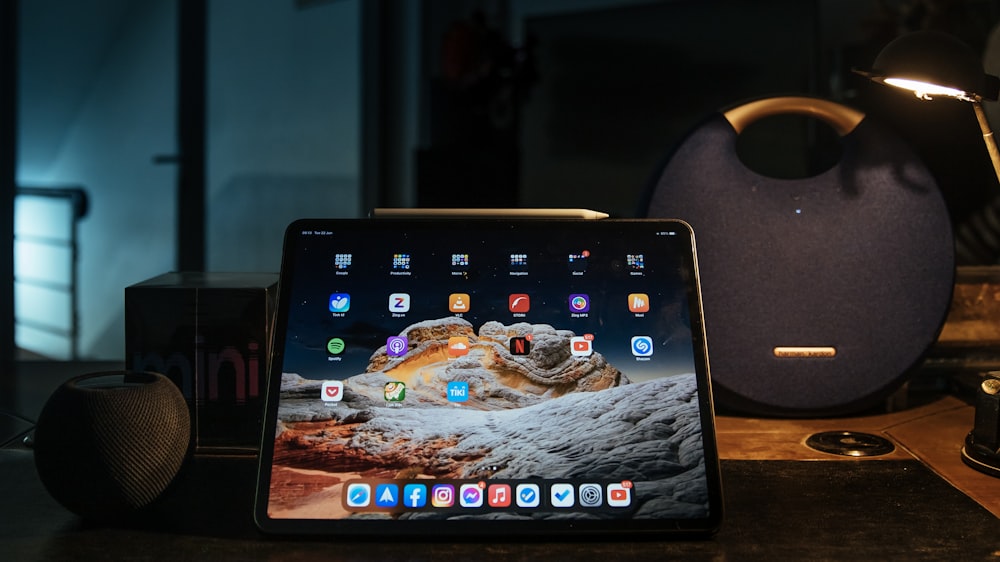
{"points": [[484, 528]]}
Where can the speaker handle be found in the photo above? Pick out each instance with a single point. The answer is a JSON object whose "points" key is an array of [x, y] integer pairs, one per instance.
{"points": [[843, 119]]}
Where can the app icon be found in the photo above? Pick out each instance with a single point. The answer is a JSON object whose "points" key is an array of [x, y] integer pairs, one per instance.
{"points": [[520, 345], [386, 495], [443, 495], [460, 260], [394, 391], [638, 302], [470, 495], [458, 391], [519, 303], [519, 261], [342, 261], [415, 495], [401, 262], [399, 302], [642, 346], [578, 262], [561, 495], [458, 302], [635, 262], [498, 495], [581, 346], [333, 391], [458, 346], [591, 495], [528, 495], [358, 494], [620, 495], [340, 302], [334, 346], [579, 303], [396, 346]]}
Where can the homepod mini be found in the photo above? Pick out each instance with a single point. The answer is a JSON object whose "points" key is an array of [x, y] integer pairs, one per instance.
{"points": [[108, 444], [820, 293]]}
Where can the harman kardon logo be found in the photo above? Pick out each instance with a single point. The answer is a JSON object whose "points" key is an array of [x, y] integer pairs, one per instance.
{"points": [[805, 352]]}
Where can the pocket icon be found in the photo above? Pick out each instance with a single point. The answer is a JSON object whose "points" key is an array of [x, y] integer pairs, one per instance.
{"points": [[333, 391]]}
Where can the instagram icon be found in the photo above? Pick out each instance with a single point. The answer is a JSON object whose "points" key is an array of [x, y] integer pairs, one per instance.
{"points": [[443, 495]]}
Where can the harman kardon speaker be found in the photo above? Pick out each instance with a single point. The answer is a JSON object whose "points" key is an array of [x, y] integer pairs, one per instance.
{"points": [[108, 444], [822, 293]]}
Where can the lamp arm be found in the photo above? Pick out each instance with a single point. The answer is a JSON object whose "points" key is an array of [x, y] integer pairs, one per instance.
{"points": [[988, 138]]}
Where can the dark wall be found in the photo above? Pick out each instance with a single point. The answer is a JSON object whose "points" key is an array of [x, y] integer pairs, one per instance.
{"points": [[617, 89]]}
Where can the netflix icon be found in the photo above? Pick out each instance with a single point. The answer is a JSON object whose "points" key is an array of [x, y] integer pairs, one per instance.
{"points": [[520, 345]]}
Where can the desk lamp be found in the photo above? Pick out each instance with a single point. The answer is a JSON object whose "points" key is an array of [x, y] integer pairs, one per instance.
{"points": [[933, 65]]}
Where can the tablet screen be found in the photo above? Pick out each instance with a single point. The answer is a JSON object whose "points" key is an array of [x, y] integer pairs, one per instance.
{"points": [[488, 376]]}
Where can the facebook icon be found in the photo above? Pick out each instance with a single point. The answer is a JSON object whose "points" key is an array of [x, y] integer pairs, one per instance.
{"points": [[415, 495]]}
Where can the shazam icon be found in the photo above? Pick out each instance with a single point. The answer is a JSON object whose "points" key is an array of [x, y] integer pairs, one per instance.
{"points": [[642, 346], [396, 346]]}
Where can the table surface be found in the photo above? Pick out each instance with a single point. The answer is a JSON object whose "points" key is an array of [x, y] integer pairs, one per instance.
{"points": [[783, 500]]}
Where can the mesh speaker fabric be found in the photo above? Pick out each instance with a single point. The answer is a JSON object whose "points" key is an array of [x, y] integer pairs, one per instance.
{"points": [[106, 451], [860, 257]]}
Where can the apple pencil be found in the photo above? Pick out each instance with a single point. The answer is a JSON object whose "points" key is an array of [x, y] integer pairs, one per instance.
{"points": [[491, 213]]}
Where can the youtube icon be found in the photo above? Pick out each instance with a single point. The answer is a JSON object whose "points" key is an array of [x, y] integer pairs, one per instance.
{"points": [[619, 495], [581, 346]]}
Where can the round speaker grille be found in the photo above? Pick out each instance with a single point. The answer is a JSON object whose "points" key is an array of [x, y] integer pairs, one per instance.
{"points": [[820, 294], [109, 443]]}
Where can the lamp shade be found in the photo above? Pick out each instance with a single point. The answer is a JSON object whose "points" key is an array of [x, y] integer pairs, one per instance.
{"points": [[934, 58]]}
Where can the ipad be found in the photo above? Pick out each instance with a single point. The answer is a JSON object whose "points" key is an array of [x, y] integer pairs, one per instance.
{"points": [[490, 377]]}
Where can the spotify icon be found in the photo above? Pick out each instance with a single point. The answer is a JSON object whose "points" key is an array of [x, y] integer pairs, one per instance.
{"points": [[334, 346]]}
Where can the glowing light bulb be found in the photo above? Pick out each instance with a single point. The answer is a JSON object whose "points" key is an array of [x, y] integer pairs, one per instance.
{"points": [[926, 90]]}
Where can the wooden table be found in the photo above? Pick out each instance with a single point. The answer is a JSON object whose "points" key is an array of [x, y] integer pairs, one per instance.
{"points": [[783, 501]]}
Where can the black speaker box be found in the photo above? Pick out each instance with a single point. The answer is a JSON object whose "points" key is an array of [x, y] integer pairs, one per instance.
{"points": [[208, 333], [821, 293]]}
